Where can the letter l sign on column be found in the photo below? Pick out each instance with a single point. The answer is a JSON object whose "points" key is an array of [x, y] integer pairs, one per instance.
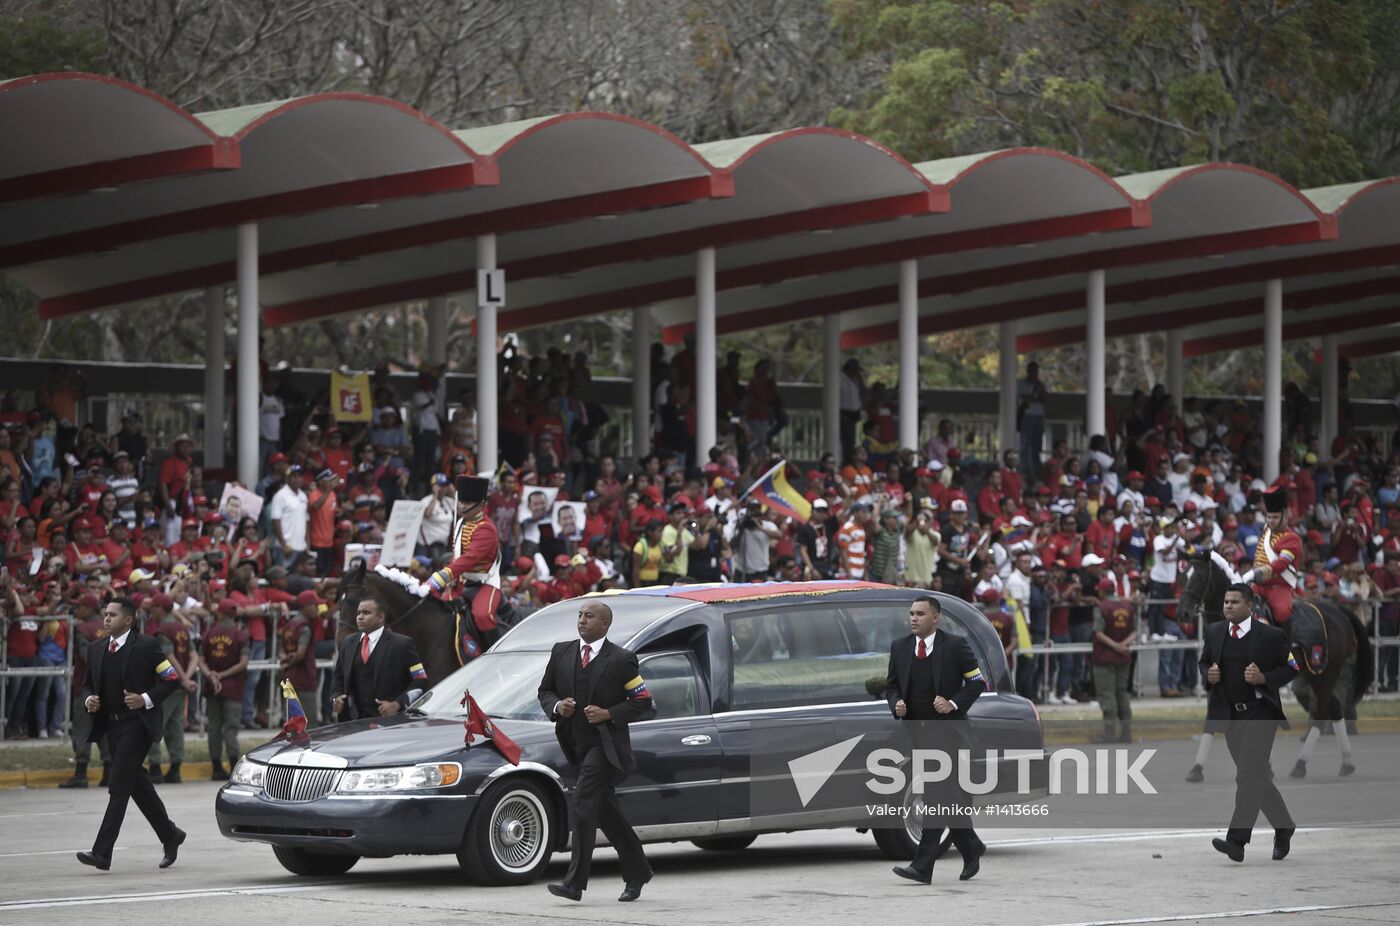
{"points": [[490, 288]]}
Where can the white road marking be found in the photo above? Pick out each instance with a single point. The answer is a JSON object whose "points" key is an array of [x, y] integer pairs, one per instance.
{"points": [[1232, 914], [48, 902], [54, 852], [1163, 834]]}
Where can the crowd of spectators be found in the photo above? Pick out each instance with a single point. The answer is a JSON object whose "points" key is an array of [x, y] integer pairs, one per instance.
{"points": [[1039, 541]]}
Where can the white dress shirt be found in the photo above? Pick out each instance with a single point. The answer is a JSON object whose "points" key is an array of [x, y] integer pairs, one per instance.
{"points": [[596, 648], [374, 636]]}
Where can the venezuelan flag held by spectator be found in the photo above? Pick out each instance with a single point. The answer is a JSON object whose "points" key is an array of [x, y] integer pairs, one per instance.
{"points": [[777, 493]]}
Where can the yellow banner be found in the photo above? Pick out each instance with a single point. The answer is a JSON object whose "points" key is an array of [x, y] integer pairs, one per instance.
{"points": [[350, 398]]}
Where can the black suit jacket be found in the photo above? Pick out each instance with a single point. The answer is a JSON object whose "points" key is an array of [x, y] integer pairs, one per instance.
{"points": [[952, 662], [137, 662], [609, 673], [390, 668], [1268, 649]]}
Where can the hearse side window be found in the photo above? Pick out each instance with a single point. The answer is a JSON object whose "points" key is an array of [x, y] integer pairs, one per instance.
{"points": [[876, 626], [791, 656], [674, 685]]}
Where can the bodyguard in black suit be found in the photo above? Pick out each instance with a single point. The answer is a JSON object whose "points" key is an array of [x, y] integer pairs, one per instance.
{"points": [[1244, 663], [375, 669], [127, 678], [933, 680], [592, 672]]}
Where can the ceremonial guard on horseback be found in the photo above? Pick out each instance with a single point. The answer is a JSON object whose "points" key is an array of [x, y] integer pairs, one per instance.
{"points": [[473, 578], [1328, 644], [1278, 560]]}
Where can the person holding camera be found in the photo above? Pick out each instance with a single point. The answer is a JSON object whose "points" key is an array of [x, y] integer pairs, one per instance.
{"points": [[813, 543], [710, 548], [753, 543], [677, 538]]}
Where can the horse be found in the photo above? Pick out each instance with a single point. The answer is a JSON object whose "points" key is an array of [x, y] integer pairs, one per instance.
{"points": [[1321, 636], [430, 622]]}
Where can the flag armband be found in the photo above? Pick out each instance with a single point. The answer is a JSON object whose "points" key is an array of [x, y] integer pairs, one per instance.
{"points": [[636, 690]]}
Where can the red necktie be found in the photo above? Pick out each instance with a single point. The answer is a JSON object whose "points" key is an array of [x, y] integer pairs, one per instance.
{"points": [[112, 646], [364, 648], [923, 651], [1235, 631], [587, 650]]}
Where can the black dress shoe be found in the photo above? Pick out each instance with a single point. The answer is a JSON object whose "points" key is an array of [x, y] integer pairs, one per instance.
{"points": [[101, 863], [973, 862], [566, 891], [172, 849], [631, 891], [1232, 849], [1283, 841], [907, 871]]}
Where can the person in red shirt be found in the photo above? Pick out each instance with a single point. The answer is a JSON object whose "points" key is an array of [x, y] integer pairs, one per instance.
{"points": [[1011, 475], [1101, 537], [217, 550], [147, 552], [85, 554], [88, 492], [339, 459], [548, 422], [989, 499], [1066, 544], [596, 522], [184, 549], [174, 474], [363, 494], [117, 548], [322, 509], [857, 474]]}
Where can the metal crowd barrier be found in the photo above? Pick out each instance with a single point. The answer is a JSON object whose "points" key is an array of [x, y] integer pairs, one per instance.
{"points": [[1047, 650]]}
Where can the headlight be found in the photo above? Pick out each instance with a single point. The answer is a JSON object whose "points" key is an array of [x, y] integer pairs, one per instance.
{"points": [[248, 773], [402, 778]]}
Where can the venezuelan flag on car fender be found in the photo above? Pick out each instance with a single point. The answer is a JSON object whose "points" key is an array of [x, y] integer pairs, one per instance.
{"points": [[773, 489], [295, 727]]}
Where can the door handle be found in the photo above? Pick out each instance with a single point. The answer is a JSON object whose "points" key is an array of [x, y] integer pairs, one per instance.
{"points": [[699, 739]]}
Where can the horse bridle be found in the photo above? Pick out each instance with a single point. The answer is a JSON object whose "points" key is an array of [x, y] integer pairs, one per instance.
{"points": [[1211, 572], [349, 623]]}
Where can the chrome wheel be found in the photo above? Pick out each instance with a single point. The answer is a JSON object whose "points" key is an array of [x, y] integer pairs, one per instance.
{"points": [[518, 827]]}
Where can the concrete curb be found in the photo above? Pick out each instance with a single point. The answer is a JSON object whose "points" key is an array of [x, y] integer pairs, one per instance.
{"points": [[189, 771]]}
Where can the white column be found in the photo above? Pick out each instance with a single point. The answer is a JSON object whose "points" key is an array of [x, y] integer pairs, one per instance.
{"points": [[1094, 350], [1006, 371], [1273, 377], [249, 390], [487, 406], [641, 381], [215, 430], [436, 317], [1176, 376], [831, 384], [1329, 396], [706, 370], [909, 354]]}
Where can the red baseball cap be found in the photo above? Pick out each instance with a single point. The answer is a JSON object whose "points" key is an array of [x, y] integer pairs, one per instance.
{"points": [[162, 600], [89, 601], [307, 599], [188, 522]]}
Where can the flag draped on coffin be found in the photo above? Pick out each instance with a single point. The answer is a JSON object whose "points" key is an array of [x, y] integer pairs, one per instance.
{"points": [[773, 489]]}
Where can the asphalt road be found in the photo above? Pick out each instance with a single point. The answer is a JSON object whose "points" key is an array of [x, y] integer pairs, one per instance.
{"points": [[1029, 876]]}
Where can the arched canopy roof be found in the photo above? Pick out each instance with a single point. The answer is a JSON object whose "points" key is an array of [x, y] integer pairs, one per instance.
{"points": [[362, 201]]}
